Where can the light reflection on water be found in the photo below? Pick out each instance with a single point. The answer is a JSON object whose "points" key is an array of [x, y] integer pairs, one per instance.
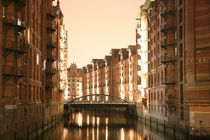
{"points": [[122, 134], [79, 119], [100, 126]]}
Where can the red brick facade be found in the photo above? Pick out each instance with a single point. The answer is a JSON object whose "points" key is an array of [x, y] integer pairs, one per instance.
{"points": [[29, 52], [179, 63], [114, 75]]}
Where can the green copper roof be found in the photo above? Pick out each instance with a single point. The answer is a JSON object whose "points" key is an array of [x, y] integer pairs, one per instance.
{"points": [[146, 4]]}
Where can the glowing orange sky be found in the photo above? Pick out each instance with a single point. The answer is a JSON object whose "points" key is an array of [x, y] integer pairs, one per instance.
{"points": [[96, 26]]}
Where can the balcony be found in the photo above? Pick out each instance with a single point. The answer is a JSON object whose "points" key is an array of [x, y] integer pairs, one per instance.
{"points": [[20, 3], [168, 81], [165, 44], [22, 49], [50, 84], [51, 45], [171, 100], [168, 59], [18, 25], [50, 57], [13, 71], [167, 12], [165, 1], [167, 27], [51, 71], [169, 2], [51, 29], [51, 15]]}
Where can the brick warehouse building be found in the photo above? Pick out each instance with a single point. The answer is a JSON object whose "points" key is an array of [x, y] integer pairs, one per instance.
{"points": [[115, 75], [74, 82], [29, 58], [171, 68], [178, 92]]}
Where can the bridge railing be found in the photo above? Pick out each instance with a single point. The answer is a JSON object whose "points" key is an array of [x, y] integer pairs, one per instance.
{"points": [[98, 99]]}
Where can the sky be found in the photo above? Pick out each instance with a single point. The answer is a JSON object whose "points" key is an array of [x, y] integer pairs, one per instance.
{"points": [[96, 26]]}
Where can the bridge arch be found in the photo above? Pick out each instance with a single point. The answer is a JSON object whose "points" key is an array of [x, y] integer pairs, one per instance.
{"points": [[98, 99]]}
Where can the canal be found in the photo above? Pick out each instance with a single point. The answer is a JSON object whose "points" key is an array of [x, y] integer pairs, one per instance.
{"points": [[100, 125]]}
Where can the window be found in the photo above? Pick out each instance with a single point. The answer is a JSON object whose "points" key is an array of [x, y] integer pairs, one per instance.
{"points": [[37, 59], [161, 95], [149, 96], [154, 96], [180, 33], [180, 2], [182, 113], [4, 12], [180, 50], [181, 94], [180, 15], [28, 36], [181, 70]]}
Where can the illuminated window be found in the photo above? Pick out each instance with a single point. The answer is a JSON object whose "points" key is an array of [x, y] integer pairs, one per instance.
{"points": [[4, 12], [28, 36], [37, 59]]}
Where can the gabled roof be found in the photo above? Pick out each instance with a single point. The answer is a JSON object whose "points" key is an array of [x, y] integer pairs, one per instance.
{"points": [[57, 10]]}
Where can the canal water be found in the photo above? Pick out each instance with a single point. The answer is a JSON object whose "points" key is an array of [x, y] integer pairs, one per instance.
{"points": [[101, 125]]}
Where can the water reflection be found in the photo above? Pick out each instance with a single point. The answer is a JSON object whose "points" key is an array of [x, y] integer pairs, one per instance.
{"points": [[131, 133], [88, 125], [79, 119], [122, 134]]}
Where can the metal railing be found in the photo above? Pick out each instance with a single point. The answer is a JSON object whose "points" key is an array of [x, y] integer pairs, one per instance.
{"points": [[51, 44], [167, 27], [99, 99], [51, 15], [165, 44], [51, 70], [166, 12], [13, 71], [168, 81], [167, 59], [51, 28], [10, 20], [20, 3], [50, 84]]}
